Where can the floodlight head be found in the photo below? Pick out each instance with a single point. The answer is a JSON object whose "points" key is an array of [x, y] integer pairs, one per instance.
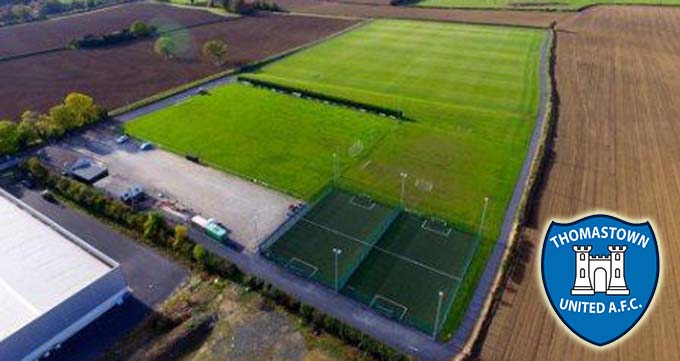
{"points": [[441, 294]]}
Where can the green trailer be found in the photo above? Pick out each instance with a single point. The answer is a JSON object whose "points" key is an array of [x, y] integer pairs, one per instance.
{"points": [[217, 232]]}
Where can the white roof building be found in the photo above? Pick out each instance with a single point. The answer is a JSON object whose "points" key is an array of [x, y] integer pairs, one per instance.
{"points": [[52, 284]]}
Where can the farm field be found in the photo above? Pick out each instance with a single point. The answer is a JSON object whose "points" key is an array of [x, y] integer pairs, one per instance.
{"points": [[534, 4], [369, 9], [32, 37], [116, 76], [616, 150], [284, 142]]}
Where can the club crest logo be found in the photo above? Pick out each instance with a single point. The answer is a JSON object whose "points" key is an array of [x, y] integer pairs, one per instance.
{"points": [[600, 274]]}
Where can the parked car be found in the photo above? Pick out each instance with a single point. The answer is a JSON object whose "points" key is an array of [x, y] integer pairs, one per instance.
{"points": [[28, 183], [133, 193], [48, 196], [122, 139], [146, 146]]}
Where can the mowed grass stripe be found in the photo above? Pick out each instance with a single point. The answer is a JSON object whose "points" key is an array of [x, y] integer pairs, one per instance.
{"points": [[283, 141], [489, 125], [457, 80], [423, 69]]}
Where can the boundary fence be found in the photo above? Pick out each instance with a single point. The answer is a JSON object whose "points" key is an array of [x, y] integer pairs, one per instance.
{"points": [[375, 236], [291, 221]]}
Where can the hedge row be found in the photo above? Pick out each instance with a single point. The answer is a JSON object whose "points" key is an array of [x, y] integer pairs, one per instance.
{"points": [[323, 97], [153, 229], [138, 30]]}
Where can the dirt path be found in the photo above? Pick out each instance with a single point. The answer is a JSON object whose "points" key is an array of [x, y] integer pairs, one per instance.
{"points": [[616, 149]]}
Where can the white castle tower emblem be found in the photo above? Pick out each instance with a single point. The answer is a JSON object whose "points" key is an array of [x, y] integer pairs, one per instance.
{"points": [[601, 274]]}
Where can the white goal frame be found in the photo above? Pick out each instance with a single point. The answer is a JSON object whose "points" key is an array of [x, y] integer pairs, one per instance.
{"points": [[311, 266], [444, 234], [389, 301], [355, 203]]}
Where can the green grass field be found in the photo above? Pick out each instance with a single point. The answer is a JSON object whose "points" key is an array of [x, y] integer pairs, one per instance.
{"points": [[535, 4], [472, 92], [282, 141]]}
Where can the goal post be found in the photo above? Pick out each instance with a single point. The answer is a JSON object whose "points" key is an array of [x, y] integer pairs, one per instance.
{"points": [[388, 307], [303, 269]]}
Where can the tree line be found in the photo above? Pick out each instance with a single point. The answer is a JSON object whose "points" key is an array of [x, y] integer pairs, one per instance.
{"points": [[34, 128]]}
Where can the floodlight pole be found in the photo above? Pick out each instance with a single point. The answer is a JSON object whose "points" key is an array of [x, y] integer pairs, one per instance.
{"points": [[403, 175], [336, 253], [335, 168], [436, 319], [481, 222]]}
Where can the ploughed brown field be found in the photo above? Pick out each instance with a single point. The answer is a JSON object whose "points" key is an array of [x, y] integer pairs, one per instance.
{"points": [[381, 9], [118, 75], [31, 37], [617, 149]]}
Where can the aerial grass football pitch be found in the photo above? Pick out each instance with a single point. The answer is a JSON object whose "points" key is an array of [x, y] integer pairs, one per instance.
{"points": [[471, 95], [283, 142], [471, 91]]}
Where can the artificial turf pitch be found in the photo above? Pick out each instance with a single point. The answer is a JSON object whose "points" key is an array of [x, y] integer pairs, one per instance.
{"points": [[408, 267], [391, 260], [337, 221]]}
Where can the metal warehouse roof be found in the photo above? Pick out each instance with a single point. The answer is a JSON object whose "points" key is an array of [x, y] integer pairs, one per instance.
{"points": [[39, 267]]}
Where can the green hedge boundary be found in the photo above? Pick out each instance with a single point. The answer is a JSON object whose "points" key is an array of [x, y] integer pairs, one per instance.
{"points": [[323, 97], [33, 53]]}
